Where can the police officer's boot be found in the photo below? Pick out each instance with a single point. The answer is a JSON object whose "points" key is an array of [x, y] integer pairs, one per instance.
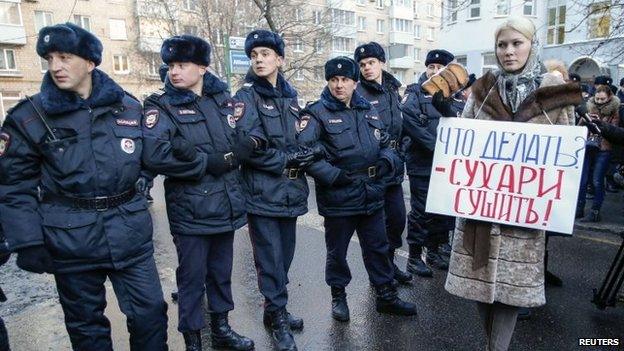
{"points": [[436, 260], [415, 264], [280, 331], [223, 337], [399, 275], [340, 309], [192, 340], [296, 323], [388, 301]]}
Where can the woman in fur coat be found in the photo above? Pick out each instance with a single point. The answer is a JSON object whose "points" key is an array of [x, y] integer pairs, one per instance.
{"points": [[500, 266]]}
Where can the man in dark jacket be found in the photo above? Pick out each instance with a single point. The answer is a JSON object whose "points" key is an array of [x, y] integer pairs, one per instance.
{"points": [[70, 158], [421, 114], [191, 137], [350, 185], [381, 89], [275, 185]]}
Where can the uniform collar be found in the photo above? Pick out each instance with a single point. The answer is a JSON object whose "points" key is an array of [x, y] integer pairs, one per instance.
{"points": [[331, 103], [211, 86], [57, 101], [388, 83], [264, 88]]}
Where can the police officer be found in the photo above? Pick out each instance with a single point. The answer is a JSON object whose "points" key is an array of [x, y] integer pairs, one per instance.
{"points": [[79, 142], [421, 114], [276, 188], [350, 185], [190, 137], [381, 89]]}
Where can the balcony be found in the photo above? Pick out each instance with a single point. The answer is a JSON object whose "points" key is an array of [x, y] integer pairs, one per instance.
{"points": [[406, 38], [150, 44], [341, 30], [405, 62], [403, 12], [12, 34]]}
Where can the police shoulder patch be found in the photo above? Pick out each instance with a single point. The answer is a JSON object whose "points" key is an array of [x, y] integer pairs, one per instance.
{"points": [[151, 118], [5, 142], [239, 110]]}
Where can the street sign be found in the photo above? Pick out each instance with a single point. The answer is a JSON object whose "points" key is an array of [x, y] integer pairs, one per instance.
{"points": [[237, 43], [239, 62]]}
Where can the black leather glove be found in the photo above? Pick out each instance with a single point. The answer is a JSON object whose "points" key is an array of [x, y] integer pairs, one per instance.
{"points": [[342, 179], [243, 147], [442, 105], [383, 169], [218, 165], [35, 259], [300, 158], [182, 149], [317, 151], [141, 187]]}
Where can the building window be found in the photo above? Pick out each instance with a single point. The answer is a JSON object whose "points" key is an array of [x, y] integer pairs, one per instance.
{"points": [[7, 60], [379, 4], [153, 65], [117, 29], [399, 75], [417, 31], [319, 73], [599, 19], [452, 11], [404, 3], [345, 18], [489, 62], [83, 21], [380, 26], [474, 9], [462, 60], [417, 54], [298, 47], [429, 10], [318, 15], [8, 99], [318, 45], [502, 7], [556, 22], [299, 75], [343, 44], [401, 25], [190, 30], [360, 2], [190, 5], [120, 64], [42, 19], [529, 8], [361, 23], [298, 14], [430, 36], [10, 13]]}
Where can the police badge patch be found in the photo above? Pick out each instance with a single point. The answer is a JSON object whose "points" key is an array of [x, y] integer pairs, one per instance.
{"points": [[5, 141], [239, 110], [377, 134], [302, 123], [231, 121], [151, 118], [127, 145]]}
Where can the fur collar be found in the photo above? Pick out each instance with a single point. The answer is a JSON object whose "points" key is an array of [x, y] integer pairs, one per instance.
{"points": [[608, 109], [331, 103], [104, 92], [211, 86], [264, 88], [553, 93], [388, 83]]}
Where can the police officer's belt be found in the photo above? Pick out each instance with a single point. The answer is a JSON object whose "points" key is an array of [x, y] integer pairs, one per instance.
{"points": [[292, 173], [99, 203], [370, 172]]}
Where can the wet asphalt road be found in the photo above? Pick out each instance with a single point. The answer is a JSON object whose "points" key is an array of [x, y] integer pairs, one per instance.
{"points": [[35, 321]]}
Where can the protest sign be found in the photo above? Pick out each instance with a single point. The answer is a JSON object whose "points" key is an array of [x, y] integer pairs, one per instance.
{"points": [[520, 174]]}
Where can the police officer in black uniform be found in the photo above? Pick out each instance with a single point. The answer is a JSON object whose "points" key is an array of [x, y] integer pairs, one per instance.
{"points": [[190, 137], [276, 188], [70, 162], [421, 114], [381, 89], [350, 185]]}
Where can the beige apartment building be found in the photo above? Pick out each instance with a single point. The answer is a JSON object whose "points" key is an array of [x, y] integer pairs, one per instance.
{"points": [[132, 32]]}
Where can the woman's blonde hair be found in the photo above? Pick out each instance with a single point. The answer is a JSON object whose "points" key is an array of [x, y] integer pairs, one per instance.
{"points": [[554, 65], [521, 25]]}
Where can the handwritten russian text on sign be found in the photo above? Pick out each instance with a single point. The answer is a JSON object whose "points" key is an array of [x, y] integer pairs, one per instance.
{"points": [[519, 174]]}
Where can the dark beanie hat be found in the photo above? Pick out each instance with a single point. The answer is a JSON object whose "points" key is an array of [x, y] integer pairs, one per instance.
{"points": [[604, 80], [342, 66], [441, 57], [371, 49], [162, 72], [575, 77], [185, 48], [68, 37], [264, 38]]}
